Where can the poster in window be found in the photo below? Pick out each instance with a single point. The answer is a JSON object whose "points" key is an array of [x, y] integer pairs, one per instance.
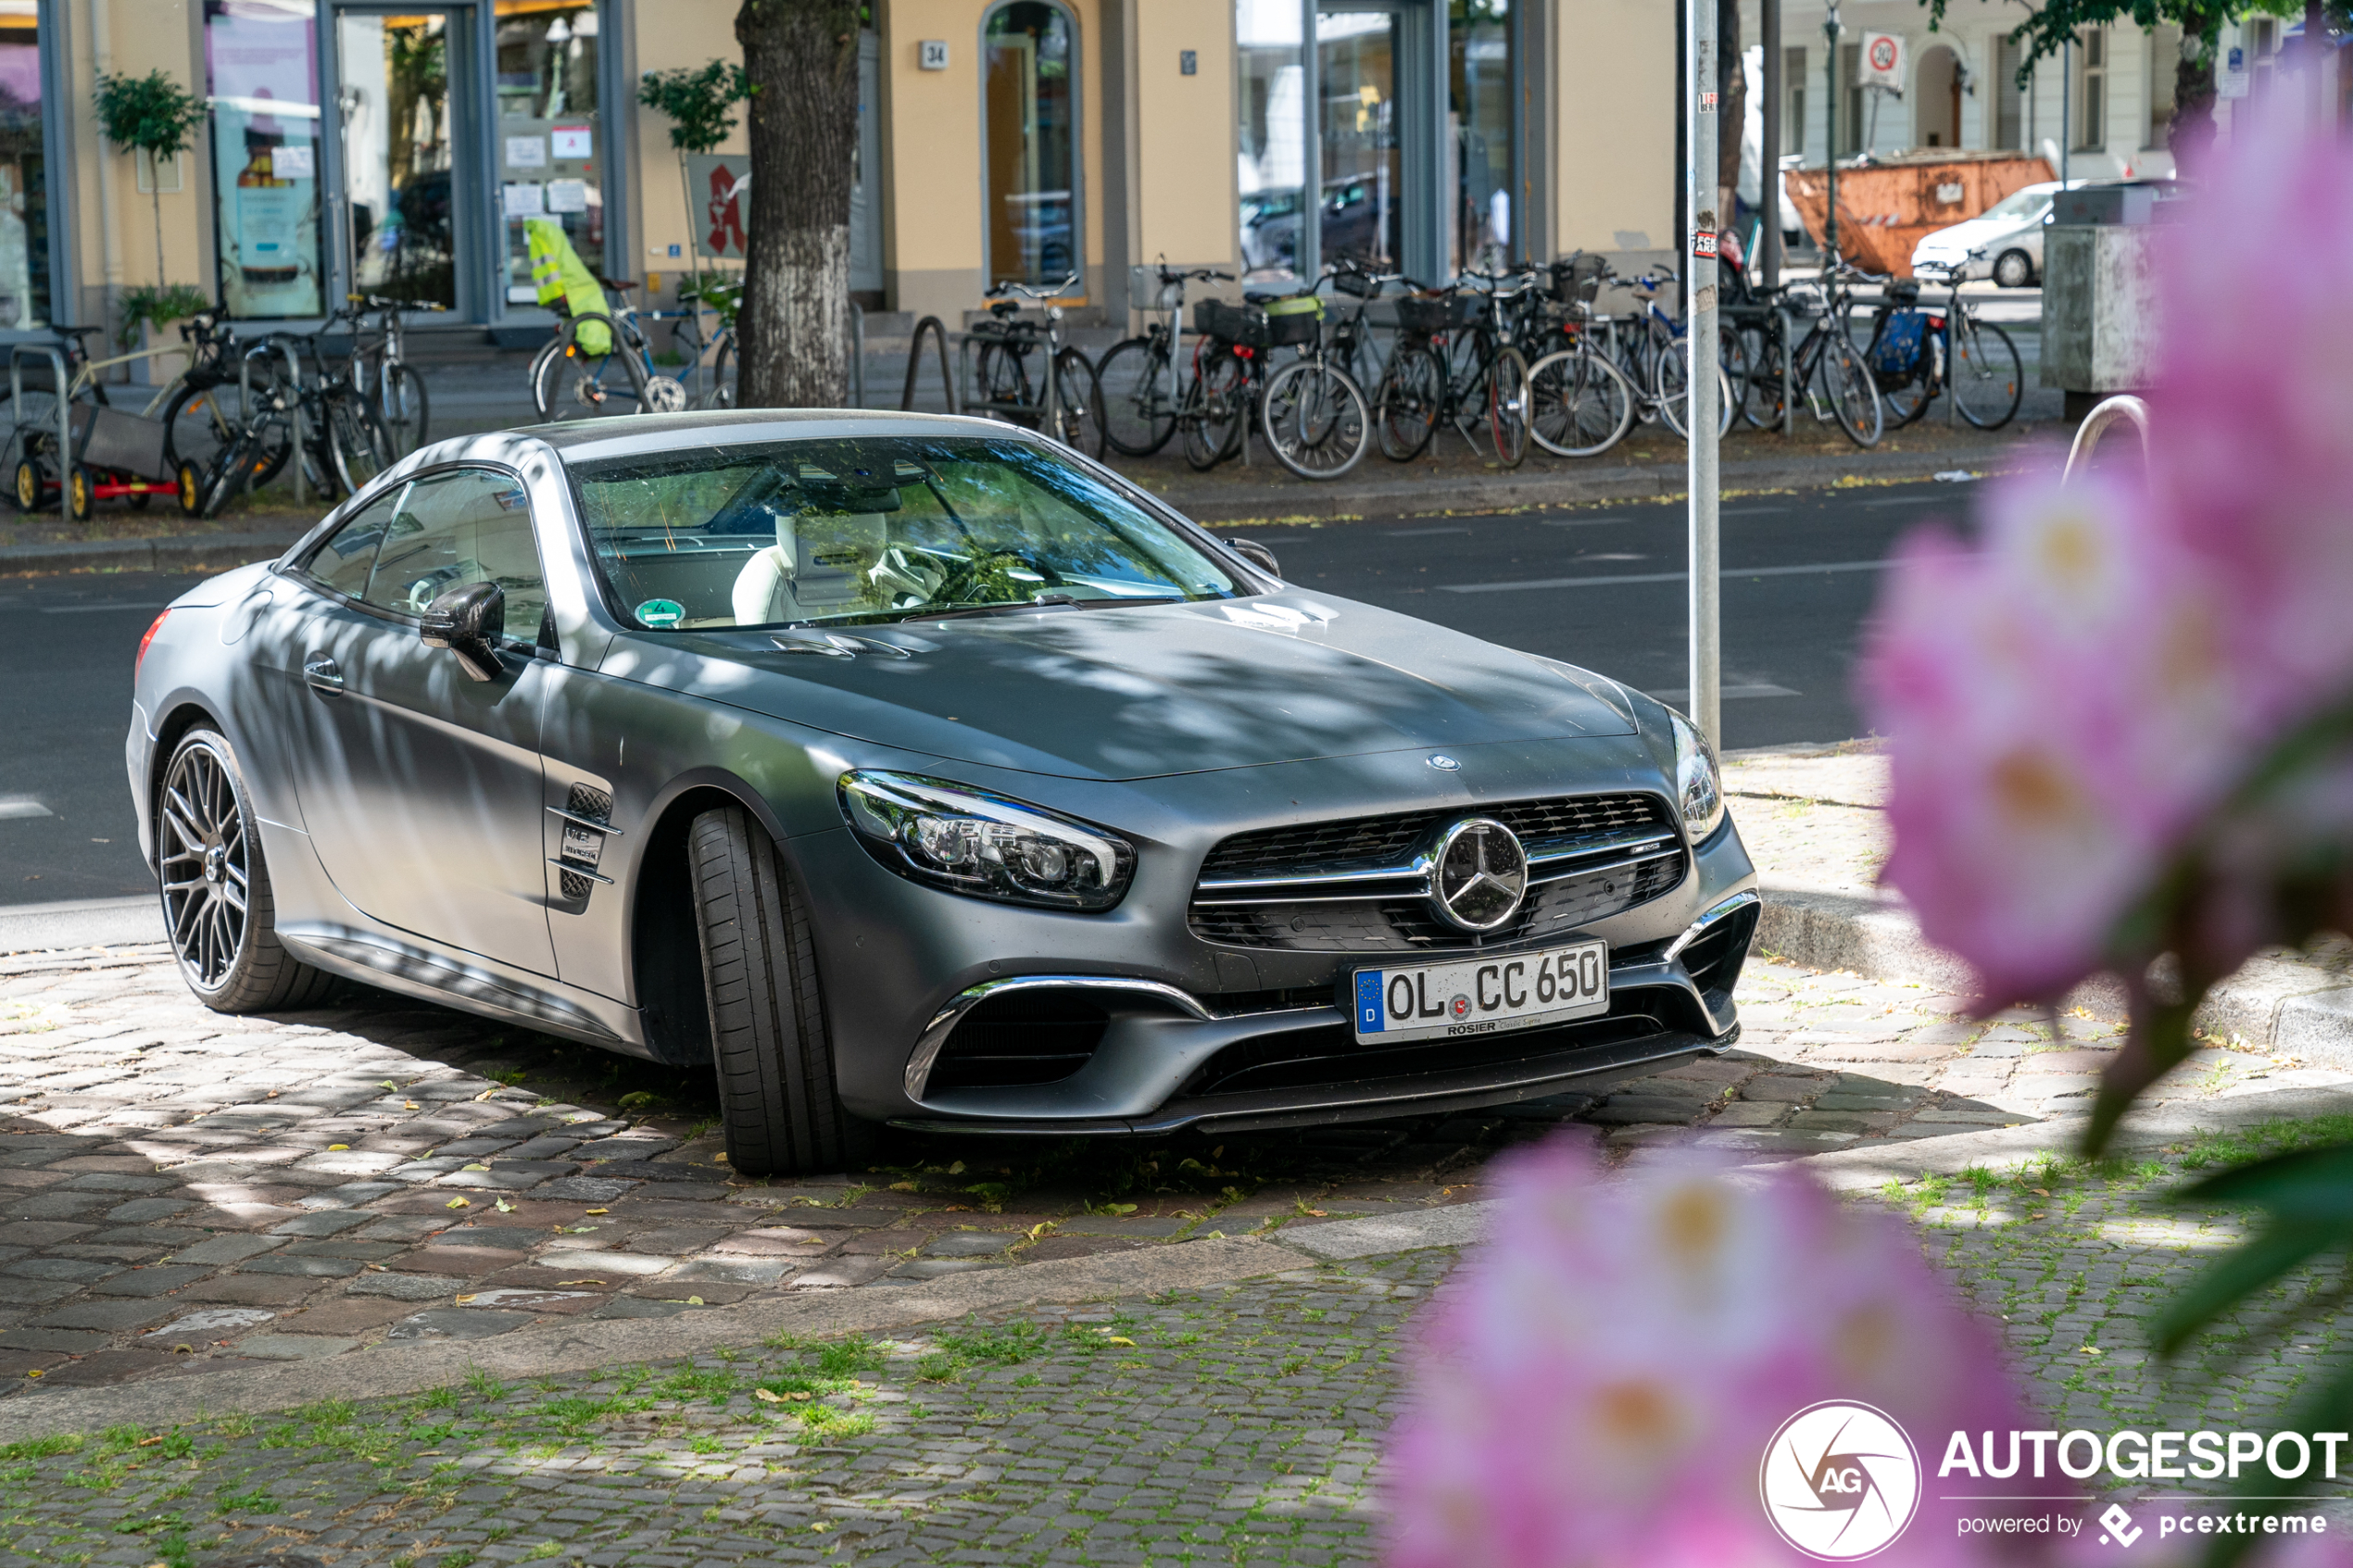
{"points": [[261, 58]]}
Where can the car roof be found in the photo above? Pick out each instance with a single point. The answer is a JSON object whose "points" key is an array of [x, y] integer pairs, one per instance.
{"points": [[640, 434]]}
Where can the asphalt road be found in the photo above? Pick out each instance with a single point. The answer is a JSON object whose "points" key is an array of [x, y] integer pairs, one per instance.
{"points": [[1602, 587], [1605, 587]]}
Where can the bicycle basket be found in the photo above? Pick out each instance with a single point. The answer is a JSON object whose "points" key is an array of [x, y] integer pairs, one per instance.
{"points": [[1576, 279], [1898, 353], [1293, 321], [1244, 324], [1425, 314]]}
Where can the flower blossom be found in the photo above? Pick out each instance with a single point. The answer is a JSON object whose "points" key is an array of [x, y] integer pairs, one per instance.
{"points": [[1599, 1386]]}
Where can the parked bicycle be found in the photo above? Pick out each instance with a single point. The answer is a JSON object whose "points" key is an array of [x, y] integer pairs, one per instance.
{"points": [[723, 298], [1230, 369], [1916, 352], [1312, 412], [1454, 360], [1021, 370], [601, 364], [1581, 404], [1824, 368], [1650, 348], [1143, 379], [379, 370]]}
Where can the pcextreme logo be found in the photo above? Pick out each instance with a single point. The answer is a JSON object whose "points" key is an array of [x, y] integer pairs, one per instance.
{"points": [[1840, 1481]]}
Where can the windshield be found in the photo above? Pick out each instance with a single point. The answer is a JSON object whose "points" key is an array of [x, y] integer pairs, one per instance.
{"points": [[2021, 205], [873, 530]]}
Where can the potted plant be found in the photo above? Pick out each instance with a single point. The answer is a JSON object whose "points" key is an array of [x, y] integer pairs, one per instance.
{"points": [[145, 316], [154, 115], [697, 104]]}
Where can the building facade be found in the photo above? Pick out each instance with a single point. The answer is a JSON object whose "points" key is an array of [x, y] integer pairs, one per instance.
{"points": [[397, 148]]}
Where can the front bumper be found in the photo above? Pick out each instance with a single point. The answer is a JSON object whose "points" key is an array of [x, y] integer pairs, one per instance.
{"points": [[1165, 1029]]}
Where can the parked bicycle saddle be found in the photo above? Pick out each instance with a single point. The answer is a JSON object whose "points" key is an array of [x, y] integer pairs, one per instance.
{"points": [[1005, 309]]}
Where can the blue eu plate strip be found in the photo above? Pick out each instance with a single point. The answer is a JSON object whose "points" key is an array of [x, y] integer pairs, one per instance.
{"points": [[1368, 1006]]}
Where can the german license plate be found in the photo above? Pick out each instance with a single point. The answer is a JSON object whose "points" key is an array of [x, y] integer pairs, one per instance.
{"points": [[1482, 995]]}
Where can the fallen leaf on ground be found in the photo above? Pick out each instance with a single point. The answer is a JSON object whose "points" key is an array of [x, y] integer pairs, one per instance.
{"points": [[580, 1281], [337, 1147], [459, 1203], [1121, 1339], [599, 1210]]}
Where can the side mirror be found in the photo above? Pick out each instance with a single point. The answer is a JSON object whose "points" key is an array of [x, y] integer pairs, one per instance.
{"points": [[1256, 554], [468, 622]]}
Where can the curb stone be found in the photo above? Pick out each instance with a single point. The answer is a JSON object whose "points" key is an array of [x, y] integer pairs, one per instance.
{"points": [[171, 553]]}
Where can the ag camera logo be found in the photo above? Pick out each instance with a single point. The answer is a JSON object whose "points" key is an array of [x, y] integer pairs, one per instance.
{"points": [[1840, 1481]]}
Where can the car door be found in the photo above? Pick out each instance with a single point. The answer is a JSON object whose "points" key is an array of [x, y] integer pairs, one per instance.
{"points": [[419, 786]]}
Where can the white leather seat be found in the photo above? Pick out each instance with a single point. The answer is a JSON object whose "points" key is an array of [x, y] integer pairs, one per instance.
{"points": [[799, 577]]}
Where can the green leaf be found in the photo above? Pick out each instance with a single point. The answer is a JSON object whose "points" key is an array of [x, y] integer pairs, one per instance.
{"points": [[2235, 1277], [2305, 1186]]}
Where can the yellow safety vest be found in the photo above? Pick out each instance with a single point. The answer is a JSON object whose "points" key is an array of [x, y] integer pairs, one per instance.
{"points": [[562, 278]]}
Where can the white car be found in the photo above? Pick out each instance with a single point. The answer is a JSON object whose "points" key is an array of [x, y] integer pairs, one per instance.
{"points": [[2009, 233]]}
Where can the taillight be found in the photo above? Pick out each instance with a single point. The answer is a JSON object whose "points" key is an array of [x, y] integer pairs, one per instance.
{"points": [[150, 637]]}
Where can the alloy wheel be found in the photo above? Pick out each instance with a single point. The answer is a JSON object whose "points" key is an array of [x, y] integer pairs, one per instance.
{"points": [[207, 866]]}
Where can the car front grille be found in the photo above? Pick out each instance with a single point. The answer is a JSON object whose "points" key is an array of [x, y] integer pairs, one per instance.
{"points": [[1362, 884]]}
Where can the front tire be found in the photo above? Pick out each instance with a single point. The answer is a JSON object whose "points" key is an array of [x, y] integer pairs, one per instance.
{"points": [[1139, 405], [217, 908], [768, 1036], [2013, 269]]}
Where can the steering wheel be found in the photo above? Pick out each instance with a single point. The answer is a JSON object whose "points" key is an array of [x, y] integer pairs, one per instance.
{"points": [[960, 583]]}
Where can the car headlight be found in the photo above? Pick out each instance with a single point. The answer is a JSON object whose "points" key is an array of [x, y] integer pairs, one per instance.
{"points": [[966, 840], [1699, 788]]}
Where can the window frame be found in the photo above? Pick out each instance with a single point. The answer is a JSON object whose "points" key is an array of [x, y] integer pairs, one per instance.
{"points": [[300, 571], [991, 273], [51, 18], [2092, 61]]}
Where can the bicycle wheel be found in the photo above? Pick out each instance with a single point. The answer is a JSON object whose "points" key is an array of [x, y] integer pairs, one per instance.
{"points": [[1406, 404], [1854, 396], [575, 384], [1579, 404], [719, 390], [1987, 380], [359, 442], [1216, 406], [1139, 407], [1761, 388], [1002, 383], [1508, 405], [1314, 418], [33, 433], [403, 408], [1672, 388], [1078, 416]]}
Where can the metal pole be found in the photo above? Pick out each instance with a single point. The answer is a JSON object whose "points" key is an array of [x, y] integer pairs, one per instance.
{"points": [[1706, 650], [857, 355], [1829, 124], [294, 417], [2067, 106], [1767, 263]]}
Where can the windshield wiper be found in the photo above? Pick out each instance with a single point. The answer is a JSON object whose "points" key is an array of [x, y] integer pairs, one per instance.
{"points": [[1043, 601]]}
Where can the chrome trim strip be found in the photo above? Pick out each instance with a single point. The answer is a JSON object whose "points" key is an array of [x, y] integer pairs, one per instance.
{"points": [[1698, 928], [1419, 868], [589, 822], [935, 1035], [576, 869], [1566, 872]]}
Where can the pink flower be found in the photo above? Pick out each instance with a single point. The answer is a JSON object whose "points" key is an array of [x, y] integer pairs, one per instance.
{"points": [[1600, 1386], [2058, 711]]}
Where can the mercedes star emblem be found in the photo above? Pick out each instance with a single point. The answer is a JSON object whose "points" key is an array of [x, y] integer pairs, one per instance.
{"points": [[1479, 874], [1444, 763]]}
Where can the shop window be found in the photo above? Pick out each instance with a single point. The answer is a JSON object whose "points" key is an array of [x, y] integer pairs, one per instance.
{"points": [[551, 134], [24, 193], [1793, 102], [1272, 169], [261, 70], [1479, 107], [1356, 59], [1030, 114], [397, 155]]}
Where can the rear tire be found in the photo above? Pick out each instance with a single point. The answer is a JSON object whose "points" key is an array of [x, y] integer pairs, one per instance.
{"points": [[1139, 405], [217, 908], [405, 408], [2013, 269], [767, 1016]]}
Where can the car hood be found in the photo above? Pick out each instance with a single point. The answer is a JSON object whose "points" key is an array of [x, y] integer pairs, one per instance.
{"points": [[1144, 691]]}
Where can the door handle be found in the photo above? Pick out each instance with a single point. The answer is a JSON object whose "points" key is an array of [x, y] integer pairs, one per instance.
{"points": [[322, 675]]}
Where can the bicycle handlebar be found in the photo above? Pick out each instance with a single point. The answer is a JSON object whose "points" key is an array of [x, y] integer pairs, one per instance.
{"points": [[1032, 291]]}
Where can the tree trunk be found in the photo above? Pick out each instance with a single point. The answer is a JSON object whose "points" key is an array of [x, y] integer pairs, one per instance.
{"points": [[2191, 134], [1732, 109], [157, 194], [793, 332]]}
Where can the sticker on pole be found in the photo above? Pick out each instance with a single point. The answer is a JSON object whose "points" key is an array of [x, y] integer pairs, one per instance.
{"points": [[1707, 102], [1703, 244]]}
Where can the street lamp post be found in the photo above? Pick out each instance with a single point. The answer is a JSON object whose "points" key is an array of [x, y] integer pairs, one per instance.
{"points": [[1829, 66], [1703, 192]]}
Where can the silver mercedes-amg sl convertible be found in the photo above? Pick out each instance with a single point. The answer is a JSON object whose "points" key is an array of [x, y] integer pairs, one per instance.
{"points": [[913, 770]]}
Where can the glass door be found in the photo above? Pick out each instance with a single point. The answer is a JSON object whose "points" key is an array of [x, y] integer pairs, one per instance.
{"points": [[550, 135], [398, 154], [1357, 60]]}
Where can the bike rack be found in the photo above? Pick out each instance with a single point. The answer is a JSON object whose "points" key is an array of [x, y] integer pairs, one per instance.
{"points": [[2121, 410], [294, 418], [915, 360], [857, 355], [1789, 392], [65, 414]]}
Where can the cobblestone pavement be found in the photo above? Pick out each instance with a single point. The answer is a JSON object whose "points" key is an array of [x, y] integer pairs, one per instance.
{"points": [[1237, 1424], [178, 1188]]}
